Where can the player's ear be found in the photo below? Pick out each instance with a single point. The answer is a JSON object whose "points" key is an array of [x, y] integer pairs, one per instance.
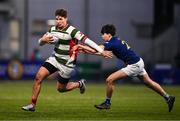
{"points": [[109, 35]]}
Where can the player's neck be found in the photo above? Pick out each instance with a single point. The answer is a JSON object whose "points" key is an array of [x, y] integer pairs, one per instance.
{"points": [[62, 28]]}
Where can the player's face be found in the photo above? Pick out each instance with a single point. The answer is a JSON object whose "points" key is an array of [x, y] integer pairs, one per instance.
{"points": [[61, 22], [106, 37]]}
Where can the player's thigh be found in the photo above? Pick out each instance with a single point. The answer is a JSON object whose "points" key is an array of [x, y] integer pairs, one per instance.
{"points": [[116, 75], [42, 73]]}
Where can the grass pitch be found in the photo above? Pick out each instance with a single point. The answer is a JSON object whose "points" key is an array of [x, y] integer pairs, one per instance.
{"points": [[129, 102]]}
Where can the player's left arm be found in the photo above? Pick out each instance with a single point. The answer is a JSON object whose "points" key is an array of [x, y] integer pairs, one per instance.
{"points": [[80, 36], [89, 50], [83, 38], [86, 49]]}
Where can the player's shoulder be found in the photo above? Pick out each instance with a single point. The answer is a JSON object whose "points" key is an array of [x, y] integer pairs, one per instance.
{"points": [[72, 31], [71, 28], [117, 40], [113, 40]]}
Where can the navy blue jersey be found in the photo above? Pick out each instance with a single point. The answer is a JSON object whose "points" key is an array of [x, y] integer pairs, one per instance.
{"points": [[121, 50]]}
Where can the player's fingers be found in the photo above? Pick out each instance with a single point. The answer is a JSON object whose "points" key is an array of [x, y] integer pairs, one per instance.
{"points": [[108, 54], [50, 38]]}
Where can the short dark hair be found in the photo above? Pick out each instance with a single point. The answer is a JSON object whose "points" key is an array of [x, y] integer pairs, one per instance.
{"points": [[108, 29], [61, 12]]}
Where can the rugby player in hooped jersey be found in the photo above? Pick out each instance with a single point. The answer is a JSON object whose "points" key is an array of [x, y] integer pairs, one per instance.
{"points": [[135, 66], [64, 37]]}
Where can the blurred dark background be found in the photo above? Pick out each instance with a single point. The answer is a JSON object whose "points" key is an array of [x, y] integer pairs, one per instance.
{"points": [[151, 27]]}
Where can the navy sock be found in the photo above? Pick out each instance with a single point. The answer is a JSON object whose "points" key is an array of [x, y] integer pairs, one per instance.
{"points": [[108, 101]]}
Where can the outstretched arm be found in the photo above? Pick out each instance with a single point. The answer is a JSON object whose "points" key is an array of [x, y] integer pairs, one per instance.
{"points": [[86, 49], [89, 50], [80, 36]]}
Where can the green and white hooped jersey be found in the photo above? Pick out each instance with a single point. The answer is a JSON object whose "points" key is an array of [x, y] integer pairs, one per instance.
{"points": [[64, 42]]}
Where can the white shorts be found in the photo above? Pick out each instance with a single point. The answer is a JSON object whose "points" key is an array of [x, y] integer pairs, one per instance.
{"points": [[135, 69], [63, 70]]}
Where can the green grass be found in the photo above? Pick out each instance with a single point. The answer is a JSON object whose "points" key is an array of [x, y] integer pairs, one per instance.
{"points": [[130, 102]]}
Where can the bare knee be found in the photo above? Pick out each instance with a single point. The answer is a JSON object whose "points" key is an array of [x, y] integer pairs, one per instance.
{"points": [[109, 81], [38, 78], [42, 74]]}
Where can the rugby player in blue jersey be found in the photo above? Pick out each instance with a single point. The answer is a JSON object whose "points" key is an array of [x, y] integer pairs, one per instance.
{"points": [[135, 67]]}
